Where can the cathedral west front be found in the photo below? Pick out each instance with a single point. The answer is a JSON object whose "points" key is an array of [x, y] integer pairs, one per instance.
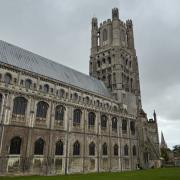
{"points": [[56, 120]]}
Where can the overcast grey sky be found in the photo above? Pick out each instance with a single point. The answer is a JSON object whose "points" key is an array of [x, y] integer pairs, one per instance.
{"points": [[60, 30]]}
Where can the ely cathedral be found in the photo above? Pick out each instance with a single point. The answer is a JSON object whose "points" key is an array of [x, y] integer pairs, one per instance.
{"points": [[56, 120]]}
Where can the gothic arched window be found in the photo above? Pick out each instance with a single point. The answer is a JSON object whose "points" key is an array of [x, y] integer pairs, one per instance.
{"points": [[76, 148], [7, 78], [59, 148], [132, 127], [15, 146], [114, 123], [104, 121], [134, 150], [91, 119], [126, 150], [124, 126], [109, 60], [104, 149], [123, 35], [62, 92], [42, 108], [105, 35], [98, 63], [1, 98], [92, 149], [77, 116], [116, 149], [87, 100], [59, 112], [46, 88], [114, 78], [75, 97], [109, 81], [20, 105], [39, 147], [28, 83]]}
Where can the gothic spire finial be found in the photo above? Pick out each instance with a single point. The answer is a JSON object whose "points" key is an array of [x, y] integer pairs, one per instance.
{"points": [[115, 13], [154, 114]]}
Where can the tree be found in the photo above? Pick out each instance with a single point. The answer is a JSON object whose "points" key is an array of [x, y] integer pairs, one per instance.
{"points": [[176, 150], [164, 154]]}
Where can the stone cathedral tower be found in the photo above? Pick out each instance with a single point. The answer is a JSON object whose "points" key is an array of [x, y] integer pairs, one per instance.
{"points": [[113, 60]]}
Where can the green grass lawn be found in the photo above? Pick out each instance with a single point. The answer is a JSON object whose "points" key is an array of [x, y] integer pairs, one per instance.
{"points": [[153, 174]]}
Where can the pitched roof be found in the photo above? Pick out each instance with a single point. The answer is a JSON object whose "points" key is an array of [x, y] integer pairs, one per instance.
{"points": [[23, 59]]}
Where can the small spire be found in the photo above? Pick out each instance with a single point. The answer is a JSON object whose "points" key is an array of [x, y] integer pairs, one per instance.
{"points": [[154, 114], [163, 142], [115, 13]]}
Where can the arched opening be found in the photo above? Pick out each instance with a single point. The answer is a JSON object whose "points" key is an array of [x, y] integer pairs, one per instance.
{"points": [[7, 78], [134, 150], [39, 147], [1, 100], [20, 106], [59, 148], [104, 149], [42, 108], [124, 126], [116, 149], [109, 81], [77, 117], [104, 121], [46, 88], [75, 97], [109, 60], [87, 100], [28, 83], [92, 149], [105, 35], [132, 127], [123, 35], [126, 150], [91, 119], [114, 124], [76, 148], [59, 113], [62, 93], [15, 145]]}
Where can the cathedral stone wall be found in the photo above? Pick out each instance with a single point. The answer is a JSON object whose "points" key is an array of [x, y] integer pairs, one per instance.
{"points": [[29, 128]]}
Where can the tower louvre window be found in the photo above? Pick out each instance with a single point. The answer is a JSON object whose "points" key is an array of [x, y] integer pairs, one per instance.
{"points": [[114, 123], [105, 35], [124, 126], [104, 121], [109, 60]]}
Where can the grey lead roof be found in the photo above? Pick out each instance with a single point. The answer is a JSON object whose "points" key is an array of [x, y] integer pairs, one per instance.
{"points": [[18, 57]]}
